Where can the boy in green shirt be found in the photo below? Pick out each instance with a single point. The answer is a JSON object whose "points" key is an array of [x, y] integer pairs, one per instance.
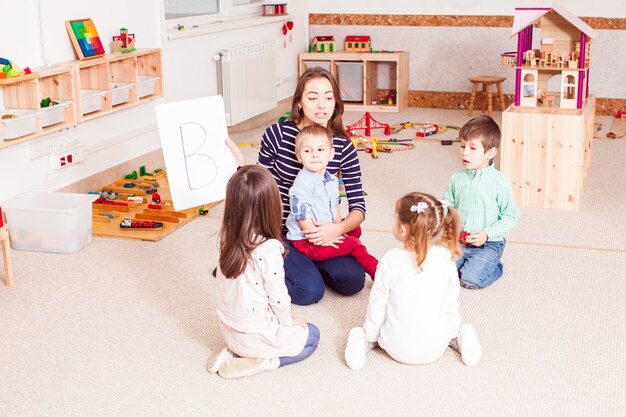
{"points": [[484, 199]]}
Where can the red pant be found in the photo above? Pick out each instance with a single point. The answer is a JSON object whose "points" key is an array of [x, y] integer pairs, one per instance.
{"points": [[351, 245]]}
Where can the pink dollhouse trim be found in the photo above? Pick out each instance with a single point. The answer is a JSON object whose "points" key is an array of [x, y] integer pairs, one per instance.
{"points": [[581, 74]]}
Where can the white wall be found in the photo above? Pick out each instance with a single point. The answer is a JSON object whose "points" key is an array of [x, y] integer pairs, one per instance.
{"points": [[33, 34], [441, 58]]}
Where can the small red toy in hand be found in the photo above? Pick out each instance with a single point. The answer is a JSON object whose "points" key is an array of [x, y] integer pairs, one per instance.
{"points": [[463, 236]]}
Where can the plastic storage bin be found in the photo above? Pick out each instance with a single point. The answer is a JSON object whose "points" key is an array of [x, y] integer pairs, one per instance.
{"points": [[350, 78], [49, 222], [146, 85], [23, 124], [91, 100], [54, 114], [120, 93], [313, 64]]}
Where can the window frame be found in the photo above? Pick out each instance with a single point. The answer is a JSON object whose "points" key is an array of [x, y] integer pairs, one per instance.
{"points": [[226, 12]]}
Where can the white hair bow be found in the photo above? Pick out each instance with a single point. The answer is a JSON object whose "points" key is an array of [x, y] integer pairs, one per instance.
{"points": [[419, 207], [445, 204]]}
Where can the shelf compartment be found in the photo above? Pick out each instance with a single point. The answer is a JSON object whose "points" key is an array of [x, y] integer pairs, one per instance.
{"points": [[56, 114], [350, 79], [124, 71], [147, 85], [381, 82], [92, 101], [122, 93], [24, 123]]}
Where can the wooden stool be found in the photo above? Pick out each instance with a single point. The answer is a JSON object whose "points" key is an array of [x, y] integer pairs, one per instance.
{"points": [[487, 81], [6, 255]]}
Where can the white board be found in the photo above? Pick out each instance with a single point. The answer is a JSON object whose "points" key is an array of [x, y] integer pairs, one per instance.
{"points": [[198, 162]]}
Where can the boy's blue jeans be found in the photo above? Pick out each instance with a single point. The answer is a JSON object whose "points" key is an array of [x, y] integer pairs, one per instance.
{"points": [[480, 266]]}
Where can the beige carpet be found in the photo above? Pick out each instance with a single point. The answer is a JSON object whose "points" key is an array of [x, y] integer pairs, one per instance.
{"points": [[124, 328]]}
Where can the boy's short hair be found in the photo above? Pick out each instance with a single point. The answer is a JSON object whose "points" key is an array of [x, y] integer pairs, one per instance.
{"points": [[483, 128], [313, 130]]}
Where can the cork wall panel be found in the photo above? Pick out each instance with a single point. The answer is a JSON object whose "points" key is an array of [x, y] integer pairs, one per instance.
{"points": [[444, 21]]}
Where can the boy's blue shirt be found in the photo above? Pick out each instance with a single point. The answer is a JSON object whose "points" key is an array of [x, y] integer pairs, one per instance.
{"points": [[485, 201], [311, 197]]}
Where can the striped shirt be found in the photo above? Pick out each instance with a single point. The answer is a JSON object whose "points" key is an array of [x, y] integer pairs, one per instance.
{"points": [[484, 199], [277, 154]]}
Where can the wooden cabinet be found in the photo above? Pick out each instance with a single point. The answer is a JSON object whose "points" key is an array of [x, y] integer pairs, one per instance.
{"points": [[368, 81], [84, 90]]}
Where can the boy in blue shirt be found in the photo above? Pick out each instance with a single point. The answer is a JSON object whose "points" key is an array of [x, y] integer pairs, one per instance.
{"points": [[314, 200], [484, 199]]}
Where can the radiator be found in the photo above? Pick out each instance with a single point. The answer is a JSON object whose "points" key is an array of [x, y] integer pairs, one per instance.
{"points": [[246, 78]]}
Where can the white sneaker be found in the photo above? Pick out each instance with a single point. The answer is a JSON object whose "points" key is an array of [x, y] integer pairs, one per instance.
{"points": [[469, 346], [240, 367], [356, 348], [213, 365]]}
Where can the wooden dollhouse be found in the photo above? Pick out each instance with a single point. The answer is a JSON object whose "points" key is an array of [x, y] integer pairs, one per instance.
{"points": [[547, 134], [357, 44], [564, 52], [323, 44]]}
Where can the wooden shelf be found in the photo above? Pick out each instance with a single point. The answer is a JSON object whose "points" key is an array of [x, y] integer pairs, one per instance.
{"points": [[64, 82], [392, 67]]}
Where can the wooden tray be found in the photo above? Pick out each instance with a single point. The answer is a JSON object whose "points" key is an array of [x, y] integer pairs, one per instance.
{"points": [[105, 227]]}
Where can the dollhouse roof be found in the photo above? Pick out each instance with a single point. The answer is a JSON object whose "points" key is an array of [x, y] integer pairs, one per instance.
{"points": [[323, 39], [357, 38], [525, 17]]}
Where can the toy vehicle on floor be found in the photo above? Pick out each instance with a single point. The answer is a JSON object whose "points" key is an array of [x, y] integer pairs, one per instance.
{"points": [[427, 130], [129, 223]]}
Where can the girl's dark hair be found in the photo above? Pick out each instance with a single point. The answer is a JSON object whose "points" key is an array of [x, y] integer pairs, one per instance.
{"points": [[252, 214], [433, 224], [335, 124]]}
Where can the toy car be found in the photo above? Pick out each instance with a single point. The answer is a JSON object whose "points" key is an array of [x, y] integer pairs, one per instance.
{"points": [[129, 223], [427, 130]]}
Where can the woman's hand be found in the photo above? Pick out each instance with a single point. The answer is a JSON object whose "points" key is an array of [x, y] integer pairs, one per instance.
{"points": [[325, 234], [234, 149]]}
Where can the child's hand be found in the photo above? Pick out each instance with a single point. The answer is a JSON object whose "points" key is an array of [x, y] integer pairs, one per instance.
{"points": [[477, 238], [324, 234], [234, 149]]}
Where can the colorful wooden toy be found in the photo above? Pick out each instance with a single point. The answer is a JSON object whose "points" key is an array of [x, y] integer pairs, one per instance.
{"points": [[84, 38]]}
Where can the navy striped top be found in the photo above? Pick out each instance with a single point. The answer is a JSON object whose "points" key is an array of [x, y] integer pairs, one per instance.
{"points": [[277, 154]]}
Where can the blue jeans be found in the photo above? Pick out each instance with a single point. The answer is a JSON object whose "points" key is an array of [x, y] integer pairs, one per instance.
{"points": [[305, 279], [309, 347], [480, 266]]}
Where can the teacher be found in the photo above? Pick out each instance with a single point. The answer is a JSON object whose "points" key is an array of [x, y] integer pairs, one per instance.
{"points": [[317, 101]]}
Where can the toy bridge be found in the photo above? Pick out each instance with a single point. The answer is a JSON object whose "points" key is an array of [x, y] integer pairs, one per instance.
{"points": [[367, 123]]}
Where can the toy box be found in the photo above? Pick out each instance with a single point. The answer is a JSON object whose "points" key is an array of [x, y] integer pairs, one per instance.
{"points": [[53, 114], [120, 93], [91, 100], [18, 122], [146, 85], [350, 77], [49, 222]]}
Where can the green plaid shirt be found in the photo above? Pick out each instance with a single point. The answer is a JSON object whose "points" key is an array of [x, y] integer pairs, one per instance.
{"points": [[484, 200]]}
